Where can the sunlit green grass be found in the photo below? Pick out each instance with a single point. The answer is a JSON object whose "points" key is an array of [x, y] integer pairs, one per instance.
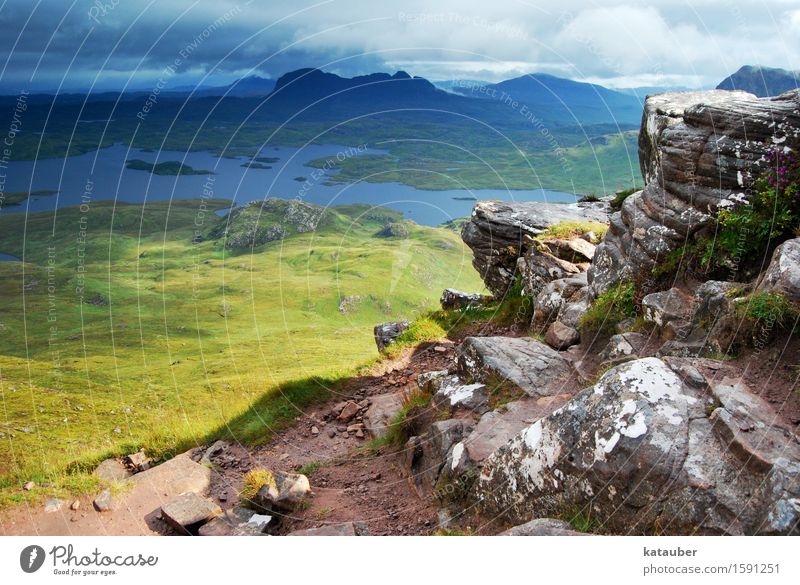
{"points": [[176, 343]]}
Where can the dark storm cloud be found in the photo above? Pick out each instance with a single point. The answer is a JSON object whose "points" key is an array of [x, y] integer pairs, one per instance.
{"points": [[114, 43]]}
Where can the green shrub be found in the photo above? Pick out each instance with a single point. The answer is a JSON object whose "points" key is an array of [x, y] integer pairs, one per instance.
{"points": [[611, 307], [751, 224], [764, 307]]}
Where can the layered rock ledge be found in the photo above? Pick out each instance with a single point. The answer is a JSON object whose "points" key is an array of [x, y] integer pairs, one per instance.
{"points": [[695, 149]]}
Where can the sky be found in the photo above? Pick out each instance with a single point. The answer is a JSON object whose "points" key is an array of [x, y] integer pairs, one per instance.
{"points": [[142, 44]]}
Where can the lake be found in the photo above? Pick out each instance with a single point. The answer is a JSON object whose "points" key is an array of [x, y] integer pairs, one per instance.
{"points": [[102, 176]]}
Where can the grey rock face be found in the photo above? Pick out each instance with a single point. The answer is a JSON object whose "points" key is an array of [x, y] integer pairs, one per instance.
{"points": [[386, 333], [526, 363], [641, 450], [623, 346], [553, 297], [783, 273], [664, 307], [695, 149], [497, 232]]}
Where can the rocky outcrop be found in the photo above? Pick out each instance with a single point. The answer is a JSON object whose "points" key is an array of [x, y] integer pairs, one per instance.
{"points": [[498, 234], [260, 222], [453, 299], [525, 363], [652, 448], [695, 149]]}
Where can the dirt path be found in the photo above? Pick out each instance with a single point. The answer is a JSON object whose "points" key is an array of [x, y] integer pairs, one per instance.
{"points": [[349, 482]]}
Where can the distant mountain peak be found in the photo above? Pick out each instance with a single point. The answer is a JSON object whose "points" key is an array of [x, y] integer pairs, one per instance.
{"points": [[761, 81]]}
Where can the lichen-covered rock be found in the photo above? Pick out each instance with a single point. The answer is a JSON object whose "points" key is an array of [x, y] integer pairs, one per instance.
{"points": [[452, 393], [695, 149], [386, 333], [453, 299], [666, 306], [640, 450], [236, 522], [623, 346], [497, 232], [783, 273], [528, 364]]}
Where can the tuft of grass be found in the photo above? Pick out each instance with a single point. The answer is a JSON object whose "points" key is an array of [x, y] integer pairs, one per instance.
{"points": [[611, 307], [581, 519], [620, 197], [419, 331], [309, 468], [767, 307], [501, 392], [254, 480], [573, 229]]}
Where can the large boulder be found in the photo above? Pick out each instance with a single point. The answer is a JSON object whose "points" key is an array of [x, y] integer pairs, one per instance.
{"points": [[499, 233], [695, 149], [528, 364], [652, 449], [783, 273]]}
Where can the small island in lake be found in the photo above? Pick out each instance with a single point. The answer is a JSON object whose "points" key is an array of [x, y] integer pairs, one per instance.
{"points": [[165, 168], [19, 197]]}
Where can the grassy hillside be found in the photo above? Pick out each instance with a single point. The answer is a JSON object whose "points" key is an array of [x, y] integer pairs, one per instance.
{"points": [[147, 331]]}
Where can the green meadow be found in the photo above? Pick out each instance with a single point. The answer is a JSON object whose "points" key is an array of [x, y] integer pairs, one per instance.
{"points": [[129, 326]]}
